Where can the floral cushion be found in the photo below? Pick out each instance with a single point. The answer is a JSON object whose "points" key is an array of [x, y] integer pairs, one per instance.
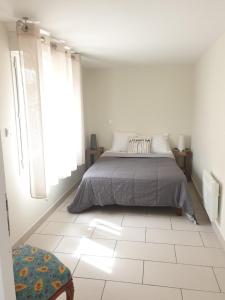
{"points": [[38, 274]]}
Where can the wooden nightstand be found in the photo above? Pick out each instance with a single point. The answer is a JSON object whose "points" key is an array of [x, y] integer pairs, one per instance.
{"points": [[184, 161], [92, 155]]}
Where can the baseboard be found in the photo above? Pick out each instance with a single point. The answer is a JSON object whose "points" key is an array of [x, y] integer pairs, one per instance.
{"points": [[43, 218], [196, 187], [214, 225], [218, 234]]}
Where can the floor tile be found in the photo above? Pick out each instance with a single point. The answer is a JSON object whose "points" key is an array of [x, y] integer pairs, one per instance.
{"points": [[79, 246], [210, 240], [180, 276], [120, 233], [151, 221], [100, 218], [68, 260], [220, 275], [121, 291], [45, 242], [195, 295], [41, 227], [145, 251], [86, 289], [181, 223], [68, 229], [62, 216], [200, 256], [173, 237], [116, 269]]}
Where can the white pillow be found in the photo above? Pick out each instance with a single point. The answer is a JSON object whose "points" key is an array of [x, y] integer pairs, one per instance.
{"points": [[140, 145], [160, 144], [120, 141]]}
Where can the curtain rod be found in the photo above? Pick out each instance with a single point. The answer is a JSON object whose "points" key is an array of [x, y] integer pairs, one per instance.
{"points": [[25, 21], [54, 43]]}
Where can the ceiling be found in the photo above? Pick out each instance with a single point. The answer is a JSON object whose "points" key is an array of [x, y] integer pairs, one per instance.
{"points": [[129, 32]]}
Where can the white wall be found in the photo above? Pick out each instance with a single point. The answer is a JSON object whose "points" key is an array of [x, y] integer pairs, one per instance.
{"points": [[156, 99], [24, 211], [7, 291], [209, 120]]}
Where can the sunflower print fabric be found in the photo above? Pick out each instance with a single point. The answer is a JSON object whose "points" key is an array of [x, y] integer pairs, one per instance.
{"points": [[38, 274]]}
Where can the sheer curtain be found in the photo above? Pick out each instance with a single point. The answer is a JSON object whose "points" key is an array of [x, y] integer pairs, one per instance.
{"points": [[28, 38], [60, 107], [79, 111]]}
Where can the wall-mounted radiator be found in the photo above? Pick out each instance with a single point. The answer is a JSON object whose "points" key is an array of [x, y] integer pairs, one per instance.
{"points": [[210, 195]]}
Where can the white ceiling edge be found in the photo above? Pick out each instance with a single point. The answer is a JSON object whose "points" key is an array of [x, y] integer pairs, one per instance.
{"points": [[98, 62], [6, 12], [90, 62], [128, 33]]}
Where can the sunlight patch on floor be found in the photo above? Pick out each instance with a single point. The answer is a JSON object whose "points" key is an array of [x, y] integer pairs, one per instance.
{"points": [[106, 226], [101, 263], [86, 244]]}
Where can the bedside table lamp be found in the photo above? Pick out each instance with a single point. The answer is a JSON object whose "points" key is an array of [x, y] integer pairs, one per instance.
{"points": [[181, 143], [93, 145]]}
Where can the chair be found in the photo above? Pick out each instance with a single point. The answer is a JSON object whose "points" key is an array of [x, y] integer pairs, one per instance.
{"points": [[40, 275]]}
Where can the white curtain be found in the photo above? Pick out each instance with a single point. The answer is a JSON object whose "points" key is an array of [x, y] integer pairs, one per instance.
{"points": [[61, 110], [79, 111], [30, 57]]}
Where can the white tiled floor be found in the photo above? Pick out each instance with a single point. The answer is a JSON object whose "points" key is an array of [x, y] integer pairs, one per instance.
{"points": [[210, 240], [145, 251], [136, 253], [47, 242], [148, 221], [87, 289], [200, 256], [85, 246], [220, 274], [180, 276], [121, 291], [120, 233], [195, 295], [69, 260], [108, 268], [67, 229], [174, 237]]}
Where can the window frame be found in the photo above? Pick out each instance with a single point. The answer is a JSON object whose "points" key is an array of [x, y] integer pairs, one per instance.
{"points": [[19, 109]]}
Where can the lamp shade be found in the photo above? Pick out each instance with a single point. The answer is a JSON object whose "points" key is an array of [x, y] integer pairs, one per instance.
{"points": [[181, 142], [93, 142]]}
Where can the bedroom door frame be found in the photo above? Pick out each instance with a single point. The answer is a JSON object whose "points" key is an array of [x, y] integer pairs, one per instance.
{"points": [[7, 285]]}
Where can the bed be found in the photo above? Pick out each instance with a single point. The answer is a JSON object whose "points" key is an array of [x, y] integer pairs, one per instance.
{"points": [[133, 180]]}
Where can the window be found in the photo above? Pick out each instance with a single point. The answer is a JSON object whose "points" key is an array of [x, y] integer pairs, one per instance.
{"points": [[19, 106]]}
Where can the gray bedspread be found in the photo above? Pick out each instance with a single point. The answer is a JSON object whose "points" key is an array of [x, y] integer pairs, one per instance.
{"points": [[132, 181]]}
